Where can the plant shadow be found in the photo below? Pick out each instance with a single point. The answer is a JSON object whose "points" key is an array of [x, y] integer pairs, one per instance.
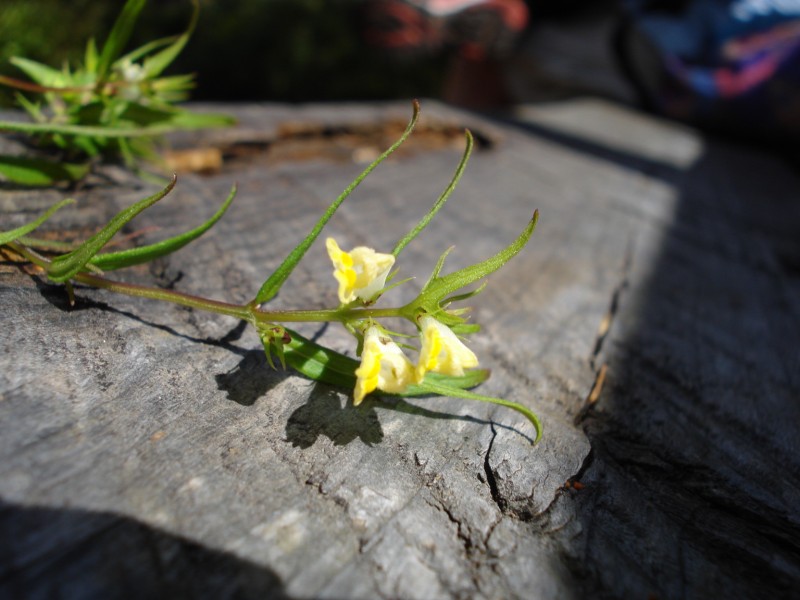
{"points": [[251, 379], [324, 415]]}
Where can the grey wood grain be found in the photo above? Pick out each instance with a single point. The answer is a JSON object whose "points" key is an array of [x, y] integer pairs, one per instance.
{"points": [[149, 449]]}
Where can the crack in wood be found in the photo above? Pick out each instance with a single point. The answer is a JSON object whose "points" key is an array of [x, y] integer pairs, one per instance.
{"points": [[490, 477], [613, 308]]}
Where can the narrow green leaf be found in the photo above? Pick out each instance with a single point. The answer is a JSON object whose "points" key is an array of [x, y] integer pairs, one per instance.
{"points": [[139, 114], [64, 267], [146, 49], [115, 132], [38, 72], [191, 120], [441, 200], [319, 363], [444, 390], [166, 115], [110, 261], [47, 245], [173, 83], [32, 108], [91, 58], [14, 234], [442, 286], [465, 295], [118, 38], [271, 286], [154, 65], [39, 172], [438, 267], [469, 379]]}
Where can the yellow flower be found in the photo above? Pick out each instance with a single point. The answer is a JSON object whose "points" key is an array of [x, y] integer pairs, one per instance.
{"points": [[384, 366], [361, 273], [442, 351]]}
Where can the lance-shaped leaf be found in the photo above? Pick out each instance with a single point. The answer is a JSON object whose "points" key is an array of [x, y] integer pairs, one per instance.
{"points": [[187, 121], [119, 36], [319, 363], [445, 390], [38, 72], [29, 171], [14, 234], [154, 65], [91, 57], [64, 267], [110, 261], [436, 291], [440, 201], [271, 286]]}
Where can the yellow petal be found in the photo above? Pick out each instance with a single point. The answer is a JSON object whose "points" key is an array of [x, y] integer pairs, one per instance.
{"points": [[361, 273], [442, 351], [383, 366]]}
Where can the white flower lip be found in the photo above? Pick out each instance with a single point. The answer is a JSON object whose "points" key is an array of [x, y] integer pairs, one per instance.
{"points": [[442, 351], [361, 273]]}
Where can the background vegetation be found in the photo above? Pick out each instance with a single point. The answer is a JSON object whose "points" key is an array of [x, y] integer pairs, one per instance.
{"points": [[282, 50]]}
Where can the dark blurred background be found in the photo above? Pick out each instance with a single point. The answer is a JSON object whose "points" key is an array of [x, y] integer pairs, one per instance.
{"points": [[281, 50], [697, 61]]}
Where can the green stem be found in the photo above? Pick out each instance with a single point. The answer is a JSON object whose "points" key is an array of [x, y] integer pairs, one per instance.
{"points": [[246, 312], [141, 291], [342, 315], [239, 311]]}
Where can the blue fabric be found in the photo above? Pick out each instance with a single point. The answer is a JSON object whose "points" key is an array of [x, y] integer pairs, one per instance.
{"points": [[733, 63]]}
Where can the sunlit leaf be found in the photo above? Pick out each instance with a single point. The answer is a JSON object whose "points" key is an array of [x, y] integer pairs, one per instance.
{"points": [[154, 65], [437, 289], [440, 201], [146, 49], [64, 267], [91, 57], [119, 36], [14, 234], [134, 256], [446, 390], [40, 172], [41, 74], [271, 286], [116, 132]]}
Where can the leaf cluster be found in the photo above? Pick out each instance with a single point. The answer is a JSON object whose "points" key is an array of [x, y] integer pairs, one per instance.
{"points": [[112, 104]]}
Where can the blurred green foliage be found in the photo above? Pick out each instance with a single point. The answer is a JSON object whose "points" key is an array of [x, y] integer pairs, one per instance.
{"points": [[48, 31], [284, 50]]}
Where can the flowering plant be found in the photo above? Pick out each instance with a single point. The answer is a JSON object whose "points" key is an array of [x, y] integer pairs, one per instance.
{"points": [[444, 364]]}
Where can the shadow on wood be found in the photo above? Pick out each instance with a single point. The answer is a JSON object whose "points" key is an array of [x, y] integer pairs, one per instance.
{"points": [[692, 485], [67, 553]]}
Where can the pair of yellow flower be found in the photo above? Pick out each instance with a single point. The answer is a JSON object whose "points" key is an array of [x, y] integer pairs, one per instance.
{"points": [[362, 274]]}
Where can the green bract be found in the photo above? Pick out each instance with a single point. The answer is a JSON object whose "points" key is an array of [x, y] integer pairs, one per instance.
{"points": [[445, 367]]}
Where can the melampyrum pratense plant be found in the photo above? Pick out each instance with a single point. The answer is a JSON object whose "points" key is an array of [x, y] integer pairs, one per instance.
{"points": [[113, 105], [444, 364]]}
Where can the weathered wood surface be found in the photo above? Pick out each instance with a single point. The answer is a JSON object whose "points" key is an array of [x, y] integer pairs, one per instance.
{"points": [[149, 450]]}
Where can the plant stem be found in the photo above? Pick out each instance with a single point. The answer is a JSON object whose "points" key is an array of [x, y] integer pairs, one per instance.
{"points": [[246, 312], [141, 291]]}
